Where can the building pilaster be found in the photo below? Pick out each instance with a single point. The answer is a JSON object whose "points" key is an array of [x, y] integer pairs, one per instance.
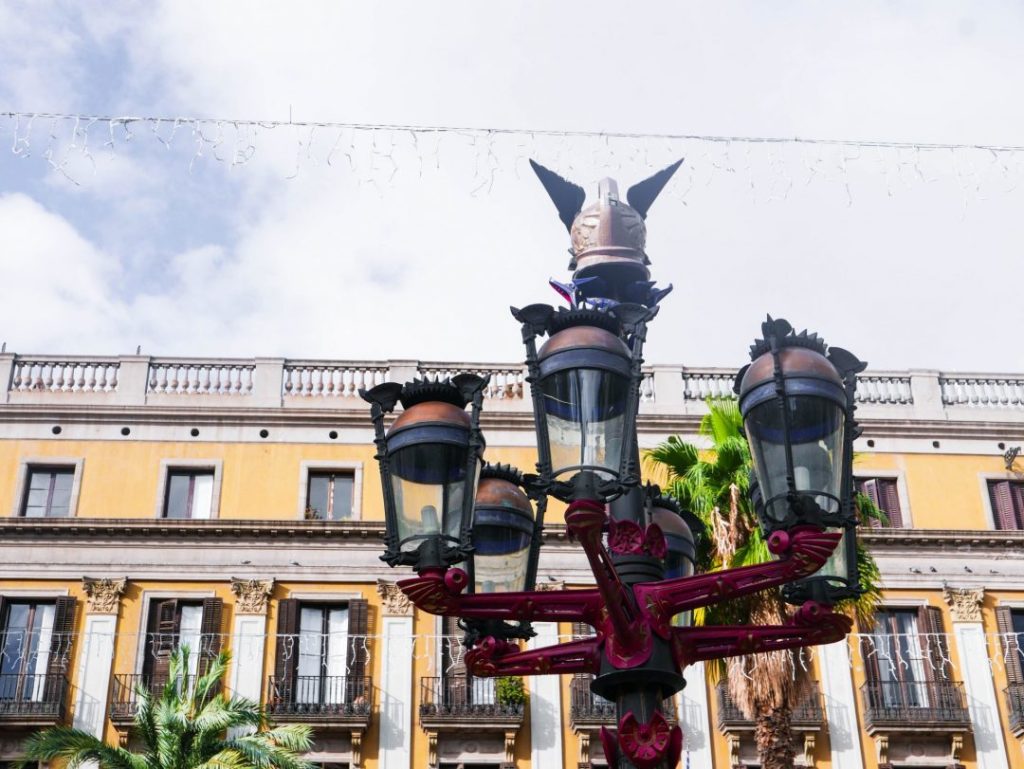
{"points": [[96, 653], [695, 717], [840, 705], [396, 684], [965, 609], [249, 636]]}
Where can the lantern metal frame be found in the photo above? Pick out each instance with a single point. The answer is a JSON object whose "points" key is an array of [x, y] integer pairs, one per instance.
{"points": [[801, 507], [438, 551], [476, 630], [629, 322]]}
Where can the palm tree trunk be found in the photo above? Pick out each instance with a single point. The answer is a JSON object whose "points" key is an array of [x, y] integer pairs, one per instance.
{"points": [[773, 735]]}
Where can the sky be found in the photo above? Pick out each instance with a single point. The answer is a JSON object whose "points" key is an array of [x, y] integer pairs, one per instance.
{"points": [[380, 244]]}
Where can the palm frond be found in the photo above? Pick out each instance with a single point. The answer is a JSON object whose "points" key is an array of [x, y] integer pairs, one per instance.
{"points": [[75, 747]]}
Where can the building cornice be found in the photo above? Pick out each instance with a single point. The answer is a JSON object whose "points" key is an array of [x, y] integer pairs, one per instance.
{"points": [[75, 529]]}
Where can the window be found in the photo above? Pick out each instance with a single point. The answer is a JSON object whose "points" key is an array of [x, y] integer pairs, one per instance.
{"points": [[906, 659], [189, 494], [329, 496], [34, 648], [1007, 499], [48, 492], [1010, 624], [885, 494], [321, 657], [174, 623], [323, 646]]}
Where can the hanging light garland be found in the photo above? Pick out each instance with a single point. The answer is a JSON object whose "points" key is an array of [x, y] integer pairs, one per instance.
{"points": [[377, 153]]}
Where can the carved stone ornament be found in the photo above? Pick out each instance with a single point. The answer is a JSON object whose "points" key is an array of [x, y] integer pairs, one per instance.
{"points": [[550, 587], [252, 595], [396, 603], [103, 595], [964, 603]]}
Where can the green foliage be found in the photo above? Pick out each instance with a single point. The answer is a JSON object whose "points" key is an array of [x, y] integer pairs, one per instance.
{"points": [[510, 691], [183, 726]]}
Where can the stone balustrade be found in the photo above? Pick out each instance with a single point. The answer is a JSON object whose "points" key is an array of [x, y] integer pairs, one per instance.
{"points": [[277, 382]]}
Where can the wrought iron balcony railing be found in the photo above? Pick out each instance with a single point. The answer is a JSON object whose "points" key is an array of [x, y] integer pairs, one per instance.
{"points": [[451, 698], [1015, 706], [124, 699], [32, 700], [915, 704], [320, 698], [587, 708], [808, 713]]}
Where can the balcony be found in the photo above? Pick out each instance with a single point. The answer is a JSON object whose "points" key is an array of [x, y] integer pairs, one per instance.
{"points": [[586, 709], [32, 700], [342, 702], [808, 715], [915, 706], [453, 702], [124, 700], [1015, 707]]}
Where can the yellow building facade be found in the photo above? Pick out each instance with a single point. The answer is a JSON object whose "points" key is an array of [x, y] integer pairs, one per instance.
{"points": [[148, 503]]}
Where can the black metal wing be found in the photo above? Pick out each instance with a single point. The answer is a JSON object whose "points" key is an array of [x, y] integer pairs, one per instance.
{"points": [[642, 194], [567, 197]]}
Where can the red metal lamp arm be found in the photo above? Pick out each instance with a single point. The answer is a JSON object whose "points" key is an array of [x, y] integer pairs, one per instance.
{"points": [[803, 551], [586, 522], [492, 657], [441, 594], [813, 624]]}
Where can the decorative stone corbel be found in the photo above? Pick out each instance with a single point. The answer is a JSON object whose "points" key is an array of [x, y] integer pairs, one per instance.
{"points": [[103, 596], [583, 757], [964, 603], [510, 748], [956, 744], [432, 750], [809, 742], [733, 741], [882, 740], [357, 748], [394, 602]]}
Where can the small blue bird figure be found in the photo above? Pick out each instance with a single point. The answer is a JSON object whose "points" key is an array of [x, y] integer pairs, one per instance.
{"points": [[570, 291]]}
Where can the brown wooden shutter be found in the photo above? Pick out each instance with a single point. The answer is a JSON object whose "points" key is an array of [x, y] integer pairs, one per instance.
{"points": [[869, 648], [1002, 505], [581, 630], [286, 653], [60, 641], [1017, 496], [1011, 646], [936, 649], [163, 627], [358, 629], [210, 632], [869, 488], [889, 495]]}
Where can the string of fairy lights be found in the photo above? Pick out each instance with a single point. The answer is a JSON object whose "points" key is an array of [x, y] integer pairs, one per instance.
{"points": [[377, 154]]}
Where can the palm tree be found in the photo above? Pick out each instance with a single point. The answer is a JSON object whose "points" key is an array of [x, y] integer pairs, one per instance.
{"points": [[183, 727], [714, 485]]}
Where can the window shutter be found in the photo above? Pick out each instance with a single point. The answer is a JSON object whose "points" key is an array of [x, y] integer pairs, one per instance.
{"points": [[210, 632], [286, 650], [1011, 646], [887, 491], [1017, 497], [581, 630], [163, 629], [60, 641], [1002, 505], [869, 648], [869, 488], [936, 651], [358, 628]]}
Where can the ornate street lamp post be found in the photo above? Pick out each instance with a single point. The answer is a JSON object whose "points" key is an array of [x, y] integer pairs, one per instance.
{"points": [[797, 401]]}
